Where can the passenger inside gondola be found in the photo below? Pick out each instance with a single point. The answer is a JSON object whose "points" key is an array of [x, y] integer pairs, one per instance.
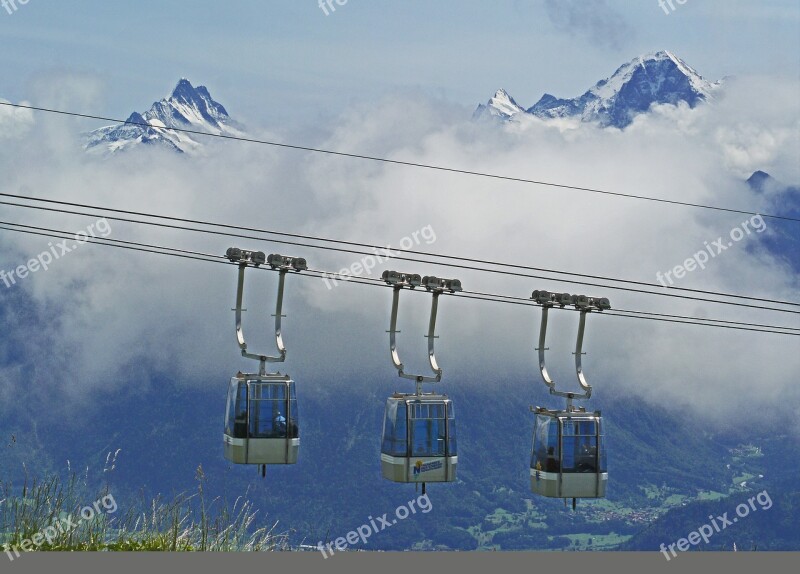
{"points": [[586, 461], [280, 425], [552, 464], [240, 425]]}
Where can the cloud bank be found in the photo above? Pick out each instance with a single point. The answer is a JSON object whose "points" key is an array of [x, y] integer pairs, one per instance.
{"points": [[109, 319]]}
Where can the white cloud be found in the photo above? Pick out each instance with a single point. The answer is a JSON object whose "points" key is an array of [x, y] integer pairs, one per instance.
{"points": [[120, 318], [14, 122]]}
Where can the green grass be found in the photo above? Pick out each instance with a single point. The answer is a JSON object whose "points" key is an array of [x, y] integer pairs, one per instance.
{"points": [[744, 477], [651, 491], [185, 523], [710, 495], [675, 499], [537, 525]]}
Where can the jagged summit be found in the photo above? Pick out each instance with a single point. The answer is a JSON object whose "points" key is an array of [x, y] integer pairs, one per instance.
{"points": [[655, 78], [759, 180], [187, 107], [500, 105]]}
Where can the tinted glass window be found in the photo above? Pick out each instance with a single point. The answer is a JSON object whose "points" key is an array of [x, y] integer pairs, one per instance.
{"points": [[579, 444], [395, 441], [400, 446], [452, 447], [236, 416], [275, 391], [389, 415], [270, 412], [545, 455], [602, 462], [293, 427], [230, 408], [268, 419], [428, 437], [428, 429], [574, 427], [427, 410]]}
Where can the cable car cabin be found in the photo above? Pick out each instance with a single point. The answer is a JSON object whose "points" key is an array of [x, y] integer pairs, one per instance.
{"points": [[261, 420], [419, 439], [568, 459]]}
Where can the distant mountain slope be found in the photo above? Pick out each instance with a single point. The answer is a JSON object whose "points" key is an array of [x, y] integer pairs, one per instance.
{"points": [[782, 238], [187, 108], [770, 523], [337, 484], [657, 78]]}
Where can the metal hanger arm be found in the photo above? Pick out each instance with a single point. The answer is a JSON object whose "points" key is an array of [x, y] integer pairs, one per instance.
{"points": [[393, 332], [239, 297], [279, 314], [395, 355], [543, 367], [541, 349], [240, 339], [432, 337], [579, 354]]}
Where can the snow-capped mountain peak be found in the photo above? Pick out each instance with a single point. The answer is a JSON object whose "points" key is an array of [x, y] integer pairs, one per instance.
{"points": [[660, 74], [189, 106], [501, 105], [656, 78], [186, 108]]}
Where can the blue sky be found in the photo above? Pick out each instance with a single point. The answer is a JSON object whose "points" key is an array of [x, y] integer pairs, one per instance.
{"points": [[286, 61]]}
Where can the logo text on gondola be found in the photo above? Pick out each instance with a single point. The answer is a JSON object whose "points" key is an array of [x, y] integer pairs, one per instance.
{"points": [[421, 467]]}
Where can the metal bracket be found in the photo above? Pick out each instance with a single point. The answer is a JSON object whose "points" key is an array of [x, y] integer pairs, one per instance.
{"points": [[436, 287], [584, 305], [541, 349], [398, 364], [283, 265], [579, 353]]}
